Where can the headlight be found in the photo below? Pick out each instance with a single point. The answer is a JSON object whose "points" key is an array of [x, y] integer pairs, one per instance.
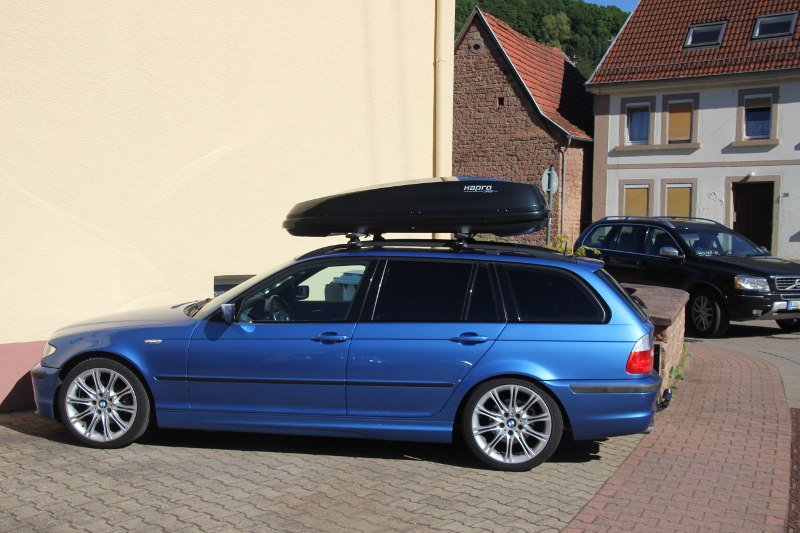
{"points": [[49, 350], [751, 283]]}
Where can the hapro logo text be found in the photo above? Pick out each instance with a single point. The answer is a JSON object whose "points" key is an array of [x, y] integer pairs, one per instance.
{"points": [[479, 188]]}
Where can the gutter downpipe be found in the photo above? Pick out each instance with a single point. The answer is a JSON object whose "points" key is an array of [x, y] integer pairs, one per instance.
{"points": [[442, 79], [564, 182]]}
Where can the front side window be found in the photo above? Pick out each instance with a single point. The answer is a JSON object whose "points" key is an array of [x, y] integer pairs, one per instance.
{"points": [[315, 294], [757, 117], [703, 35], [775, 26], [657, 239], [422, 291], [638, 123], [548, 295]]}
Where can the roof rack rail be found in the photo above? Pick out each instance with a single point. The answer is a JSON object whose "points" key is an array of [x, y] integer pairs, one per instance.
{"points": [[667, 219], [457, 244]]}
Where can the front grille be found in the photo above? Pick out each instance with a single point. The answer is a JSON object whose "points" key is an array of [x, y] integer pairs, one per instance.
{"points": [[787, 283]]}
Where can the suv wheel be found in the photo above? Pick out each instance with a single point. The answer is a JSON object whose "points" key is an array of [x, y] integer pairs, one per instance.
{"points": [[103, 404], [706, 315], [511, 424], [789, 324]]}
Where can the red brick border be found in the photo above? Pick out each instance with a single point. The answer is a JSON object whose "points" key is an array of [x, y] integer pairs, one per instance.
{"points": [[718, 460]]}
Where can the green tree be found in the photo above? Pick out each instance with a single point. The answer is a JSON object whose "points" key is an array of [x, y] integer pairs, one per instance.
{"points": [[580, 29]]}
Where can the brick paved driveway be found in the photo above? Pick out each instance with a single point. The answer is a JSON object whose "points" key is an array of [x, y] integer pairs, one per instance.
{"points": [[225, 481]]}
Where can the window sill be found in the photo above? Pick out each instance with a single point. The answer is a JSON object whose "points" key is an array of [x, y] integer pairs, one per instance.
{"points": [[755, 142], [656, 147]]}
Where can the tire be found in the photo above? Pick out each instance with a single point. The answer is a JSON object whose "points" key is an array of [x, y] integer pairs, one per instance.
{"points": [[789, 324], [511, 438], [111, 415], [706, 315]]}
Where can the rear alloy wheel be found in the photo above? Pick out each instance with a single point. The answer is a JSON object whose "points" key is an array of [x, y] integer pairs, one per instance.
{"points": [[789, 324], [706, 315], [103, 404], [511, 424]]}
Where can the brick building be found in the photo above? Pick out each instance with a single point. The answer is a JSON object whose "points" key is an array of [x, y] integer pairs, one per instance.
{"points": [[519, 107]]}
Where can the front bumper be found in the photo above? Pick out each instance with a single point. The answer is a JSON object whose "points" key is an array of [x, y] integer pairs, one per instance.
{"points": [[45, 382], [771, 306]]}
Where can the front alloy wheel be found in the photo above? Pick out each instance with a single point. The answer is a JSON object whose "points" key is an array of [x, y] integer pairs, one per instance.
{"points": [[706, 315], [511, 424], [103, 404]]}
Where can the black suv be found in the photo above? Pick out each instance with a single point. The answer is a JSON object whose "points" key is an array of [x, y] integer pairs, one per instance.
{"points": [[727, 276]]}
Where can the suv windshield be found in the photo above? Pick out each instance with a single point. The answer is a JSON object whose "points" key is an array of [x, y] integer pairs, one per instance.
{"points": [[717, 242]]}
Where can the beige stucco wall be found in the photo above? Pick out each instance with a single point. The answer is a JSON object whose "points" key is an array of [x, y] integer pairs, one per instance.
{"points": [[147, 146]]}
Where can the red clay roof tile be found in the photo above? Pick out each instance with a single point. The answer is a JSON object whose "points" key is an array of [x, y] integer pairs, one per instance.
{"points": [[557, 86], [651, 44]]}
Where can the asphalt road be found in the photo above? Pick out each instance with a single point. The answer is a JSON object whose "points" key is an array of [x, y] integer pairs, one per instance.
{"points": [[765, 340]]}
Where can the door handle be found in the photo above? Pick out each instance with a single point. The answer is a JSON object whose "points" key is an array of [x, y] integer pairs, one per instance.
{"points": [[470, 338], [330, 337]]}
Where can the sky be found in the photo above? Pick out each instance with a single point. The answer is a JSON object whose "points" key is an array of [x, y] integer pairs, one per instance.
{"points": [[625, 5]]}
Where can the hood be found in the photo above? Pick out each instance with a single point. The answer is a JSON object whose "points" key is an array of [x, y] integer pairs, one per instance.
{"points": [[153, 316], [765, 266]]}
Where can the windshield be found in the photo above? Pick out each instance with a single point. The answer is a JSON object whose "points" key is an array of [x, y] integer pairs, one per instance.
{"points": [[706, 242]]}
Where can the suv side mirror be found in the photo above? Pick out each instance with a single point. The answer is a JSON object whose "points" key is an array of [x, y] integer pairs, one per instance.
{"points": [[669, 251], [228, 311], [301, 292]]}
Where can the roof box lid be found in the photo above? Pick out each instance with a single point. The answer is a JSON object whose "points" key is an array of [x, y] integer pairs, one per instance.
{"points": [[449, 205]]}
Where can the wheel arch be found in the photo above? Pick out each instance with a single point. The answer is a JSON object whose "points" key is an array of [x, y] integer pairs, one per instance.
{"points": [[463, 401], [127, 363]]}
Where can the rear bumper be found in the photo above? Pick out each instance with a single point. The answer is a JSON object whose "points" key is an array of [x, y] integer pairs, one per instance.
{"points": [[599, 409], [45, 383]]}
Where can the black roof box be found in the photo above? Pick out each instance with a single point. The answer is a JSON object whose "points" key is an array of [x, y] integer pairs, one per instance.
{"points": [[449, 205]]}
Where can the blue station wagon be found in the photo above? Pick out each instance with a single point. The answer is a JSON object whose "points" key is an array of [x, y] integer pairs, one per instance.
{"points": [[504, 346]]}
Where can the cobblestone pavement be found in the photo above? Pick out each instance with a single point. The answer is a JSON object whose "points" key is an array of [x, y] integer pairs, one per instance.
{"points": [[225, 481], [718, 460]]}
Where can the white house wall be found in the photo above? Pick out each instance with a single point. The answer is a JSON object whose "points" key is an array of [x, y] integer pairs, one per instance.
{"points": [[716, 159]]}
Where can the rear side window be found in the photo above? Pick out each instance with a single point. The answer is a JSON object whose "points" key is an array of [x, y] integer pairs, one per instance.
{"points": [[548, 295], [628, 239], [422, 291], [598, 237]]}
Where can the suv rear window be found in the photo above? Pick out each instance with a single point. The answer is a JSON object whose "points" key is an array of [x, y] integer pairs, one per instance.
{"points": [[422, 291], [548, 295]]}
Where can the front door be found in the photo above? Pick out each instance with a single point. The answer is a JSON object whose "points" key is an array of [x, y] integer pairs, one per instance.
{"points": [[752, 211], [286, 351]]}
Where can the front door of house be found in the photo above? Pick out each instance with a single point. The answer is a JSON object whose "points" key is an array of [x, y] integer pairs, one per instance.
{"points": [[752, 211]]}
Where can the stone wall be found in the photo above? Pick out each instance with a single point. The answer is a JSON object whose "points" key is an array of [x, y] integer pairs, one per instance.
{"points": [[498, 133]]}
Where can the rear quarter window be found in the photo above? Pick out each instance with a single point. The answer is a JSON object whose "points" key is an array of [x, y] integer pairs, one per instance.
{"points": [[598, 237], [543, 294]]}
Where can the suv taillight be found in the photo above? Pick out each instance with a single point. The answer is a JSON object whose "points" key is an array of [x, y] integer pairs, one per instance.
{"points": [[640, 361]]}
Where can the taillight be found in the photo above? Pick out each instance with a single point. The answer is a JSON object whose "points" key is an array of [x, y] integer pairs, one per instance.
{"points": [[640, 361]]}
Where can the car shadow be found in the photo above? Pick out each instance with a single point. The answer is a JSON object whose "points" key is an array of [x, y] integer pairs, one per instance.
{"points": [[457, 455], [746, 330]]}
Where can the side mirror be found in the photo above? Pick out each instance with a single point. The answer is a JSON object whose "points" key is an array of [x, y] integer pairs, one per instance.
{"points": [[301, 292], [669, 251], [228, 310]]}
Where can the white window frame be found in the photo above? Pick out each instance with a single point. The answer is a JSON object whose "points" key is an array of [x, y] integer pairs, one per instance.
{"points": [[638, 105], [762, 18], [723, 24]]}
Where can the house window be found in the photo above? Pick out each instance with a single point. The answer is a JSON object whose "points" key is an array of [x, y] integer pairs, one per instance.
{"points": [[775, 26], [757, 117], [703, 35], [638, 123], [637, 200], [679, 117], [679, 200]]}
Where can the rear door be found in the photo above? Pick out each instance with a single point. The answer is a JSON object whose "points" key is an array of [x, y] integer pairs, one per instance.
{"points": [[624, 253], [424, 327]]}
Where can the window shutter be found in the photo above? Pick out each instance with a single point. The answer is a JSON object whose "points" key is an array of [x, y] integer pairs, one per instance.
{"points": [[758, 102], [636, 201], [679, 201], [680, 122]]}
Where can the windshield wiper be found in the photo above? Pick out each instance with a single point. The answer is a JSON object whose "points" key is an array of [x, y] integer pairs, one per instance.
{"points": [[195, 307]]}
